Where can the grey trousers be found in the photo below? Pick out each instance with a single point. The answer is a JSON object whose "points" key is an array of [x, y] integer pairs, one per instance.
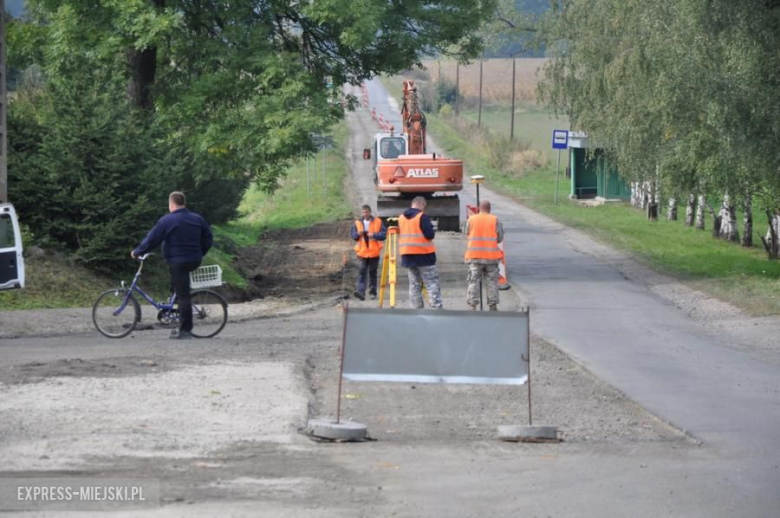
{"points": [[428, 276], [477, 272]]}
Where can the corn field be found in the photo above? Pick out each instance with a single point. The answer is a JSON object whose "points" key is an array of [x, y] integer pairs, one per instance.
{"points": [[497, 78]]}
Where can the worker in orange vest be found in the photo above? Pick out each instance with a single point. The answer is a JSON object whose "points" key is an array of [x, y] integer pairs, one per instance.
{"points": [[418, 254], [368, 234], [483, 255]]}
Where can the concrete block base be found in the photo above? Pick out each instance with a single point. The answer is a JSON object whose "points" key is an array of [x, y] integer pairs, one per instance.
{"points": [[525, 433], [343, 431]]}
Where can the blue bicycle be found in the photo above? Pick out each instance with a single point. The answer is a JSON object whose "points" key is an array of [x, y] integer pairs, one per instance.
{"points": [[116, 312]]}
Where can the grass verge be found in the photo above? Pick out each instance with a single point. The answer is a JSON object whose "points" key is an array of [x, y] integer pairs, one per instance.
{"points": [[52, 281]]}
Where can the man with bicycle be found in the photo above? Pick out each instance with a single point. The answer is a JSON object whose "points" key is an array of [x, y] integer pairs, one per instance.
{"points": [[186, 237]]}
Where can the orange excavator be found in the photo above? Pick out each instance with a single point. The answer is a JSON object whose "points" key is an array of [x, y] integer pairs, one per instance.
{"points": [[404, 169]]}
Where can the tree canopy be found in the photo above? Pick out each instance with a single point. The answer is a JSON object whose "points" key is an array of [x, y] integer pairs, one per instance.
{"points": [[245, 79], [223, 91]]}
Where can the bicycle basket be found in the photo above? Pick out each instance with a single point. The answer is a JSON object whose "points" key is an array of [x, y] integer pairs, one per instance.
{"points": [[206, 277]]}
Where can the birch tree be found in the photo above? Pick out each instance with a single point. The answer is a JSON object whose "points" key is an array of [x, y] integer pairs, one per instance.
{"points": [[690, 87]]}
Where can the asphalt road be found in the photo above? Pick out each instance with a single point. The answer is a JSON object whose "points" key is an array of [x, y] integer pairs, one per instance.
{"points": [[717, 384]]}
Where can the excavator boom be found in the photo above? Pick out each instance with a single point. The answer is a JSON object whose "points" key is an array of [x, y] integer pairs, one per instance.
{"points": [[413, 120]]}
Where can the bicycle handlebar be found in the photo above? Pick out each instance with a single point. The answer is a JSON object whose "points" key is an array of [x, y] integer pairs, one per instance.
{"points": [[145, 256]]}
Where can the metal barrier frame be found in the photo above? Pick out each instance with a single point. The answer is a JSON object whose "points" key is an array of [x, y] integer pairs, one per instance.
{"points": [[345, 310]]}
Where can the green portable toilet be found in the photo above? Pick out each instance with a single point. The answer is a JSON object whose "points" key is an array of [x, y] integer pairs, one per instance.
{"points": [[592, 173]]}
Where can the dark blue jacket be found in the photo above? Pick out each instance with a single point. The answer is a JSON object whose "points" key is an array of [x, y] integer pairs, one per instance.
{"points": [[427, 229], [185, 234], [379, 236]]}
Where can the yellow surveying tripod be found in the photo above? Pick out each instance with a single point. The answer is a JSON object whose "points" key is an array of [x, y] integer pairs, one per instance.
{"points": [[389, 264]]}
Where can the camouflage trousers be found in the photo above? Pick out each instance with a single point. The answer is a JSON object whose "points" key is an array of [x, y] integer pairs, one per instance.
{"points": [[488, 271], [428, 276]]}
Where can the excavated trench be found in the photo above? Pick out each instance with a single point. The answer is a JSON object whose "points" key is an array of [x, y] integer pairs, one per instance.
{"points": [[299, 265]]}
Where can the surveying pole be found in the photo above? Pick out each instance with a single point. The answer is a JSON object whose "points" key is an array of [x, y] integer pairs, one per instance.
{"points": [[477, 179], [3, 109]]}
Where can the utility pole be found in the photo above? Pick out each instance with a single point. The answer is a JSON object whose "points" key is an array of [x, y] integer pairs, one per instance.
{"points": [[457, 88], [479, 116], [3, 109], [512, 124]]}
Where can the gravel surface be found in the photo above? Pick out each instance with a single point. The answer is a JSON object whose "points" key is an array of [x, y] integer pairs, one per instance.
{"points": [[62, 423]]}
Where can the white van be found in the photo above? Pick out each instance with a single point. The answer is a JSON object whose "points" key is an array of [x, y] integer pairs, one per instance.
{"points": [[11, 260]]}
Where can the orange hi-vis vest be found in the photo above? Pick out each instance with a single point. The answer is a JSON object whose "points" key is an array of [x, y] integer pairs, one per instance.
{"points": [[411, 240], [373, 247], [483, 239]]}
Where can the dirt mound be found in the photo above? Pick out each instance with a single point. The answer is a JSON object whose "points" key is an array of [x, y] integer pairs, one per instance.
{"points": [[299, 264]]}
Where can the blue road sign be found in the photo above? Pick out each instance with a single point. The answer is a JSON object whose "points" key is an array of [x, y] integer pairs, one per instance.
{"points": [[560, 139]]}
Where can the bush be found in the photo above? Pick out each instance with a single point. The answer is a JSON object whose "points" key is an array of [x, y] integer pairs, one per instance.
{"points": [[434, 95], [446, 110], [428, 95], [82, 170], [446, 91], [522, 162], [512, 156], [90, 174], [215, 198], [211, 194], [502, 151]]}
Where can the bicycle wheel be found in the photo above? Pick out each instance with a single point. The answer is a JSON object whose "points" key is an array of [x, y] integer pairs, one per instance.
{"points": [[209, 313], [114, 317]]}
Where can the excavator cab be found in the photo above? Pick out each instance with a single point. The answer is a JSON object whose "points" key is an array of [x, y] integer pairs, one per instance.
{"points": [[11, 260], [392, 147]]}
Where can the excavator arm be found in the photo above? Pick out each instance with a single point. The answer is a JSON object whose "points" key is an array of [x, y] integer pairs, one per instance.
{"points": [[413, 120]]}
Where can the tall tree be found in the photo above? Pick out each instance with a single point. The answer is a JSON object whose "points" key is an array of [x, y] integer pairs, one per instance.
{"points": [[141, 96], [686, 88], [247, 78]]}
